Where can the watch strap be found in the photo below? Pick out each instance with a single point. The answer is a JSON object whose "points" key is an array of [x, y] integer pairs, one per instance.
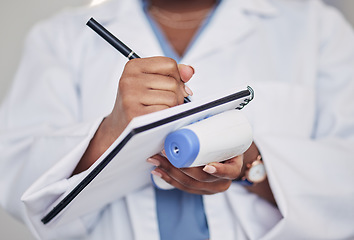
{"points": [[244, 182]]}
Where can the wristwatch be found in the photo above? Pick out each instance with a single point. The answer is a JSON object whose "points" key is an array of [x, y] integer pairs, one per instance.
{"points": [[255, 172]]}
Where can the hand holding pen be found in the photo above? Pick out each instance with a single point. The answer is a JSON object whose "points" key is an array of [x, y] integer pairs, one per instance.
{"points": [[120, 46], [146, 85]]}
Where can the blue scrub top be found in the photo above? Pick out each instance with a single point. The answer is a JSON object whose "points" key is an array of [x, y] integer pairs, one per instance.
{"points": [[180, 214]]}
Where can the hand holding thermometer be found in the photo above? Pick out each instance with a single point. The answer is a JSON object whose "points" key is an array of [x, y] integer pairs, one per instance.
{"points": [[115, 42], [214, 139]]}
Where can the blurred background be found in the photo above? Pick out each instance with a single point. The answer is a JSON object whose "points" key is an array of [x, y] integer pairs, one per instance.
{"points": [[17, 17]]}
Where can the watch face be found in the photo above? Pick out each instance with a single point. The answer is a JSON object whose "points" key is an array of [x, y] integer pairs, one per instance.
{"points": [[257, 173]]}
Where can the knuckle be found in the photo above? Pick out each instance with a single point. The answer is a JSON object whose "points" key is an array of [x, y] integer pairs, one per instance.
{"points": [[170, 63], [166, 167], [171, 99], [219, 187], [126, 100], [131, 64], [209, 193], [172, 83], [204, 178], [198, 174], [125, 83], [225, 186], [168, 180], [159, 108], [174, 101], [189, 182]]}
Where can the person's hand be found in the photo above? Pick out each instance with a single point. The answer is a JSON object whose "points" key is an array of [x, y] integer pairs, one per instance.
{"points": [[210, 179], [148, 85]]}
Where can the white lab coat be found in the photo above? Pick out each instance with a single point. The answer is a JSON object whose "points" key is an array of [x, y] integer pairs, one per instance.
{"points": [[297, 55]]}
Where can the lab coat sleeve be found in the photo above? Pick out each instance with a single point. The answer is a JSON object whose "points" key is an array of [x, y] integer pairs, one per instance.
{"points": [[40, 127], [312, 176]]}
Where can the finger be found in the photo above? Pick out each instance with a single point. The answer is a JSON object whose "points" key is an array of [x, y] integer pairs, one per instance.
{"points": [[200, 175], [167, 178], [158, 97], [164, 83], [156, 65], [143, 81], [194, 187], [229, 169], [172, 171], [150, 89], [178, 179], [153, 108], [186, 175], [160, 82], [195, 172], [174, 175], [169, 67], [130, 109], [186, 72]]}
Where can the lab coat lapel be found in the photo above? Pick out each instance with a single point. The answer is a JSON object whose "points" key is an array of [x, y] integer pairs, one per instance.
{"points": [[237, 23], [132, 28]]}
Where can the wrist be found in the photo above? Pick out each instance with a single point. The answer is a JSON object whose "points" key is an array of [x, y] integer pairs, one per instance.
{"points": [[110, 129], [100, 142]]}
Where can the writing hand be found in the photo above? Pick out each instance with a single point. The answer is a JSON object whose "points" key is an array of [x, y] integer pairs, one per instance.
{"points": [[147, 85]]}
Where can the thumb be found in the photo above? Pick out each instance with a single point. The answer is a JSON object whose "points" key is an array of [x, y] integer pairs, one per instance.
{"points": [[186, 72]]}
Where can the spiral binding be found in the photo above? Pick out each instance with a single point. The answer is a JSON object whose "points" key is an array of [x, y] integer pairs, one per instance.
{"points": [[247, 100]]}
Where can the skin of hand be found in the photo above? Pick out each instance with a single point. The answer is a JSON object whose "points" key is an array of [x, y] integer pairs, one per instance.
{"points": [[214, 177], [210, 179], [147, 85]]}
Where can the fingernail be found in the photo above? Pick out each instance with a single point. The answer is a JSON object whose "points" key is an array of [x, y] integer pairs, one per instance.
{"points": [[163, 153], [188, 90], [153, 161], [209, 169], [192, 68], [157, 174]]}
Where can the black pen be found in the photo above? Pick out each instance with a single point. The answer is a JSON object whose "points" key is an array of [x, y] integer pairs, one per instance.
{"points": [[115, 42]]}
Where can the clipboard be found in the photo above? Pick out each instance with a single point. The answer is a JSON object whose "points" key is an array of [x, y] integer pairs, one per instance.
{"points": [[122, 168]]}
